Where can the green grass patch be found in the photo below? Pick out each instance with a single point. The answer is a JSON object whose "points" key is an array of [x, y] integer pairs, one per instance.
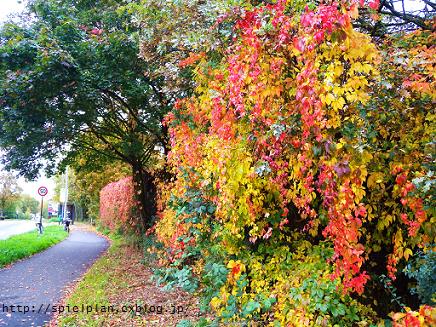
{"points": [[24, 245], [117, 279], [93, 289]]}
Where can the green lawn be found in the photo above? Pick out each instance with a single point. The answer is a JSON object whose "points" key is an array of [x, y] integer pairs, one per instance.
{"points": [[24, 245]]}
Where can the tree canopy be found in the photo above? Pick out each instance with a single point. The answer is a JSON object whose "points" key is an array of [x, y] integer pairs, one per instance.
{"points": [[72, 80], [9, 190], [72, 84]]}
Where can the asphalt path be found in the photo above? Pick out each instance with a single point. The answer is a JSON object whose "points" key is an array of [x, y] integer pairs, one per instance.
{"points": [[36, 284], [13, 227]]}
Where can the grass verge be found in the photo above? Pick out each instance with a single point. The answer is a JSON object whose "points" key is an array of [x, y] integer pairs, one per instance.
{"points": [[92, 290], [24, 245], [120, 281]]}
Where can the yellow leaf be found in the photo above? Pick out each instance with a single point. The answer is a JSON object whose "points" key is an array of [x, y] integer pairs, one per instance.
{"points": [[338, 70], [338, 103], [374, 178], [408, 252], [366, 68], [329, 98]]}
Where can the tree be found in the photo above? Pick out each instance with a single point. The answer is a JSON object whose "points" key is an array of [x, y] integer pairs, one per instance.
{"points": [[405, 16], [28, 204], [85, 186], [171, 31], [384, 17], [9, 190], [72, 84]]}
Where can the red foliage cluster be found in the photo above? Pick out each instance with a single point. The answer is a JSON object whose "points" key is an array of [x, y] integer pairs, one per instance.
{"points": [[191, 59], [117, 204], [423, 317]]}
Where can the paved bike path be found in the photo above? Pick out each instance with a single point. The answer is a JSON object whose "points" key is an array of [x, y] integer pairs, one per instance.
{"points": [[37, 283]]}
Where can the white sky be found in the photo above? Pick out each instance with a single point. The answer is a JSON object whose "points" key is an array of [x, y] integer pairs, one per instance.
{"points": [[10, 6], [31, 188]]}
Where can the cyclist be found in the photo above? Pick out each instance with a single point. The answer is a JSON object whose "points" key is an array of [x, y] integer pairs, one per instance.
{"points": [[67, 222]]}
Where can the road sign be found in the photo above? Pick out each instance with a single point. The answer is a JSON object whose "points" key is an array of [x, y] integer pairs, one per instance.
{"points": [[43, 191]]}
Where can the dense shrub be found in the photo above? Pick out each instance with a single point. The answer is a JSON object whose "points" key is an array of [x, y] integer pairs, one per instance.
{"points": [[117, 206], [303, 166], [86, 185], [423, 269]]}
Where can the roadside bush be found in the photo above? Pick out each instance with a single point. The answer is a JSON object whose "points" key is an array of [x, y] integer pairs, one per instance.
{"points": [[303, 164], [117, 206]]}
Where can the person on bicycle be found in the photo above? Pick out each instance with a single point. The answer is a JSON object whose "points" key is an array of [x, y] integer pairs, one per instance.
{"points": [[67, 221]]}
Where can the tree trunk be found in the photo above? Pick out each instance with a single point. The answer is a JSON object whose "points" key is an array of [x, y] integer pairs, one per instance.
{"points": [[145, 195]]}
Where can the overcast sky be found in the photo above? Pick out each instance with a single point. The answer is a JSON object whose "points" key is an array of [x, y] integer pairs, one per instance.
{"points": [[31, 188], [10, 6]]}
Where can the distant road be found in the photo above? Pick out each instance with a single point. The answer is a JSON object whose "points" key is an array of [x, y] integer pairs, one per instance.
{"points": [[14, 227]]}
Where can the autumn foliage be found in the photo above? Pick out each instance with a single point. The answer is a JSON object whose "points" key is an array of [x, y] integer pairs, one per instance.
{"points": [[303, 165], [117, 204]]}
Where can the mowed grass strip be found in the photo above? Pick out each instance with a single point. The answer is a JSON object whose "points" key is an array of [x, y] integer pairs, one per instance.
{"points": [[93, 290], [24, 245], [121, 278]]}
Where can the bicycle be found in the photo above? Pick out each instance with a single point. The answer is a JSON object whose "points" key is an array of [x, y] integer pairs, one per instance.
{"points": [[67, 226]]}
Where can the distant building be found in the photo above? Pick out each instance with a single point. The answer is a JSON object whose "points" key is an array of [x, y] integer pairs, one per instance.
{"points": [[52, 209]]}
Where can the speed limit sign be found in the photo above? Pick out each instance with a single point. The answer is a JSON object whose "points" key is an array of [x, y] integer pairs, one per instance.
{"points": [[43, 191]]}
